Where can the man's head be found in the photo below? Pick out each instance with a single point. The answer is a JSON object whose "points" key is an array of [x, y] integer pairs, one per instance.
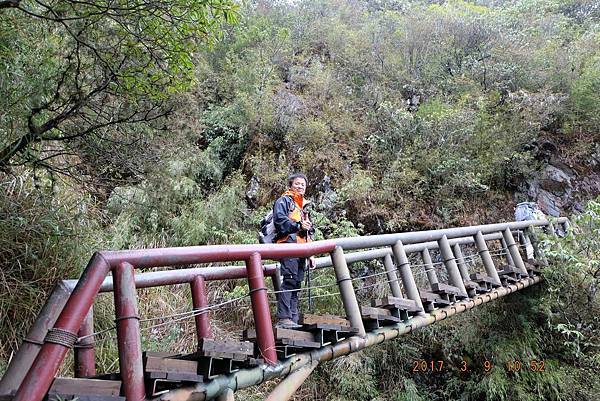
{"points": [[297, 183]]}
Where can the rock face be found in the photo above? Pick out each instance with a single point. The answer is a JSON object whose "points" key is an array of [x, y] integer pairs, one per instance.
{"points": [[552, 190], [327, 196], [557, 188], [252, 191]]}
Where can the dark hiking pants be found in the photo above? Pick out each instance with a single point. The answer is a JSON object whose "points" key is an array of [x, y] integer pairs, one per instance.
{"points": [[292, 273]]}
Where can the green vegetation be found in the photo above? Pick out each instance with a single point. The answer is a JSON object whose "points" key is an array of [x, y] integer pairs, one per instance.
{"points": [[172, 123]]}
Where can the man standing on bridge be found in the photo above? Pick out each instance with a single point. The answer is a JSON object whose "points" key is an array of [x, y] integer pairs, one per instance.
{"points": [[292, 225]]}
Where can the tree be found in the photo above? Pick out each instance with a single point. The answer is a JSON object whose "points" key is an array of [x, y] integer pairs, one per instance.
{"points": [[73, 71]]}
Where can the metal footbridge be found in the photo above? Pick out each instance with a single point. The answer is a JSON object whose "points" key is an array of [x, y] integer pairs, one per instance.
{"points": [[427, 276]]}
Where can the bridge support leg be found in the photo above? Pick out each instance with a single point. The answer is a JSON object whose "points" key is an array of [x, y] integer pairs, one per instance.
{"points": [[27, 352], [509, 258], [199, 302], [36, 383], [460, 260], [392, 277], [429, 268], [451, 266], [488, 263], [276, 280], [513, 249], [288, 386], [344, 281], [84, 351], [539, 254], [226, 395], [260, 309], [410, 287], [128, 333]]}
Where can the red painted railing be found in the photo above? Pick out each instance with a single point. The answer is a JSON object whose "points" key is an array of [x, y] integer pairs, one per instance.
{"points": [[122, 265]]}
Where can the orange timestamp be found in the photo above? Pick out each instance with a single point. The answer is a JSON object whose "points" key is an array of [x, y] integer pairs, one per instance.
{"points": [[533, 365], [436, 366]]}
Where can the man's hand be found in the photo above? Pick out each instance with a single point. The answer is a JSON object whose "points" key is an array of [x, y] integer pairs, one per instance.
{"points": [[306, 225], [312, 263]]}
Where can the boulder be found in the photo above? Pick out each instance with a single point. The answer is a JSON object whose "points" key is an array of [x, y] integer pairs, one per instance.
{"points": [[252, 191], [555, 181]]}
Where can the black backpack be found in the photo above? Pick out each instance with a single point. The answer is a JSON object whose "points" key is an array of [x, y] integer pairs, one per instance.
{"points": [[267, 234]]}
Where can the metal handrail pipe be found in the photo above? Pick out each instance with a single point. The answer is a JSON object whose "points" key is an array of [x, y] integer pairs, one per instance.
{"points": [[382, 240], [360, 256], [182, 276], [159, 257], [214, 273], [250, 377]]}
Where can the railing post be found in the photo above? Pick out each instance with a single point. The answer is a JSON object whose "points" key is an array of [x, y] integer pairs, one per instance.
{"points": [[488, 263], [200, 302], [552, 229], [260, 308], [344, 281], [526, 243], [429, 268], [450, 263], [84, 350], [460, 260], [32, 343], [62, 337], [513, 249], [509, 258], [539, 254], [392, 277], [128, 332], [410, 287]]}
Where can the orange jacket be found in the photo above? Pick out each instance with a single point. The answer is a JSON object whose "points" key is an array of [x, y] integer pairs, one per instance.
{"points": [[286, 217]]}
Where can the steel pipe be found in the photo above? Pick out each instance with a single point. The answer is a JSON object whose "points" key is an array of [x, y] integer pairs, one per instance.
{"points": [[347, 293], [251, 377], [429, 268], [360, 256], [375, 241], [410, 287], [513, 249], [45, 366], [392, 277], [146, 258], [488, 263], [128, 333], [85, 365], [260, 309], [460, 260], [200, 302], [451, 266], [509, 259], [183, 276], [31, 345], [288, 386]]}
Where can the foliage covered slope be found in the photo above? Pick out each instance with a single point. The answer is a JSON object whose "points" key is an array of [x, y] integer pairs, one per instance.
{"points": [[404, 115]]}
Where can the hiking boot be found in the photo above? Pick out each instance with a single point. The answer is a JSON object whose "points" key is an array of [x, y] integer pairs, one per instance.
{"points": [[287, 324]]}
